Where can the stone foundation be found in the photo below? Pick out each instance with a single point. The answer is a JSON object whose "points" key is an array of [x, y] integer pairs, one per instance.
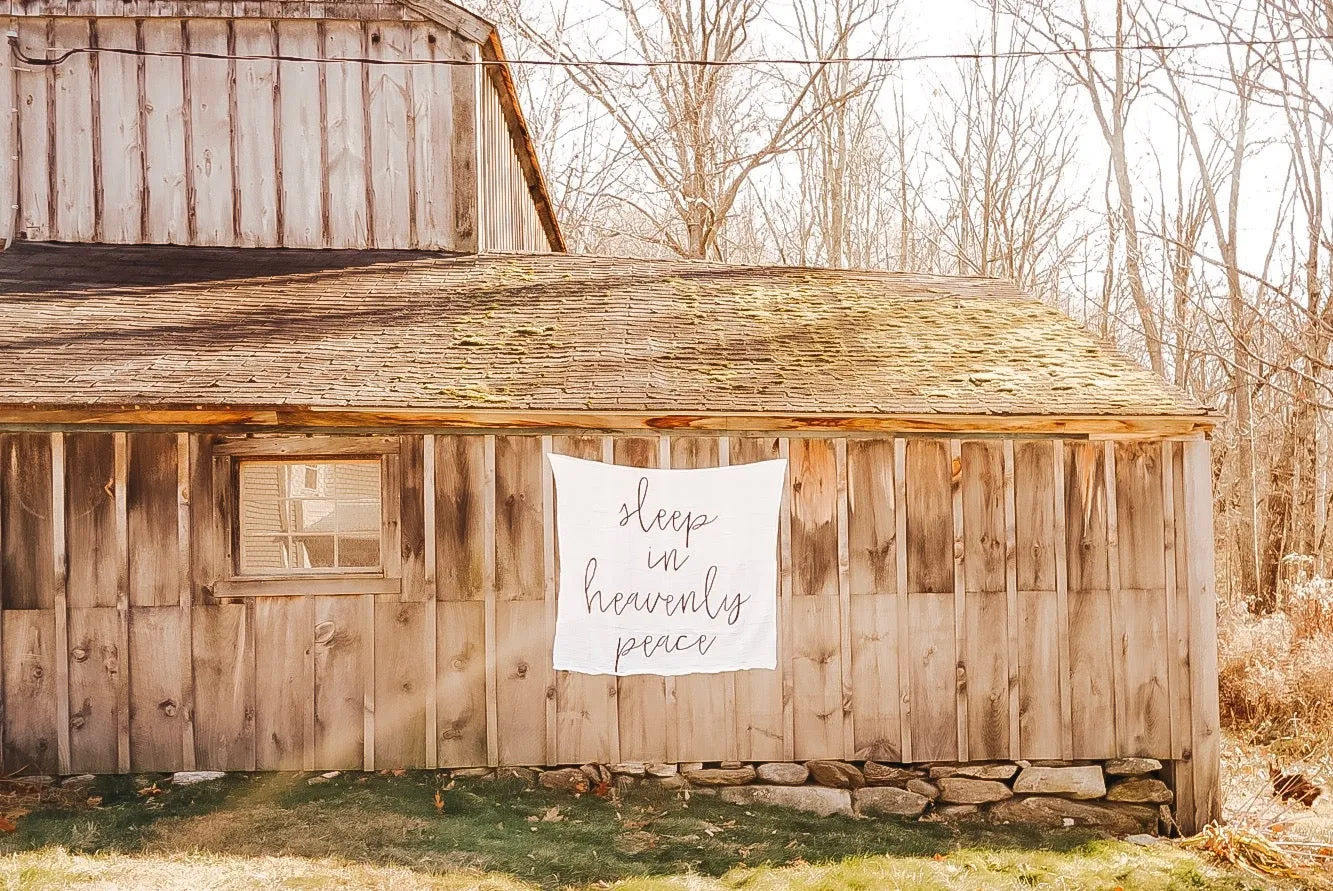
{"points": [[1122, 796]]}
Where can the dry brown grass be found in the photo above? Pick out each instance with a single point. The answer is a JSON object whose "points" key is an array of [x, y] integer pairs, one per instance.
{"points": [[1276, 673]]}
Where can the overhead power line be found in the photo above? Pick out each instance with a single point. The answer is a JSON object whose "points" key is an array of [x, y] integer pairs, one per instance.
{"points": [[66, 54]]}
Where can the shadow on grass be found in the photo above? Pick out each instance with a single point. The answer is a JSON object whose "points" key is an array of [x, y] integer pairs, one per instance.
{"points": [[544, 838]]}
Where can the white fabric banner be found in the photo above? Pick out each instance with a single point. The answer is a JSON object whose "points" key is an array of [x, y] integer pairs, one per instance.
{"points": [[666, 572]]}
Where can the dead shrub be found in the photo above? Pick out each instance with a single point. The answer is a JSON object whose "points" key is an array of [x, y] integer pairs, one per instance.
{"points": [[1275, 672]]}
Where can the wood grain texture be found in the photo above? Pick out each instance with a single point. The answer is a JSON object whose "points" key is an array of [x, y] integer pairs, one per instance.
{"points": [[301, 141], [876, 698], [157, 697], [224, 687], [341, 663], [461, 683], [94, 670], [1091, 672], [346, 135], [1205, 756], [1039, 662], [412, 520], [121, 142], [32, 87], [210, 132], [284, 632], [459, 516], [463, 150], [90, 518], [27, 547], [73, 127], [986, 612], [257, 142], [29, 696], [433, 111], [519, 573], [164, 111], [154, 546], [402, 680], [522, 670], [390, 150]]}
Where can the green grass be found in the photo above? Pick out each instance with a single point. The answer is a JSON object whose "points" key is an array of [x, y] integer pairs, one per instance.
{"points": [[373, 831]]}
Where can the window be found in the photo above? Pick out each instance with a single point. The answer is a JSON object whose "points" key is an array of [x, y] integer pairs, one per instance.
{"points": [[309, 517]]}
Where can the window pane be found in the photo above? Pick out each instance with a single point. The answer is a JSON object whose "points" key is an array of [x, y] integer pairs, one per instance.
{"points": [[359, 552], [308, 517]]}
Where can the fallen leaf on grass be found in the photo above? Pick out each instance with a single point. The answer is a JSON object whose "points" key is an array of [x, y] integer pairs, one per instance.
{"points": [[938, 858], [7, 825], [553, 815], [439, 802], [150, 791], [94, 801]]}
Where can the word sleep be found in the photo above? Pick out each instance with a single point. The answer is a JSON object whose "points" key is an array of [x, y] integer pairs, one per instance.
{"points": [[676, 520], [669, 604]]}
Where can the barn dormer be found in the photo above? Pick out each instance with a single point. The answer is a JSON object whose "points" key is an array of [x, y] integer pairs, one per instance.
{"points": [[279, 124]]}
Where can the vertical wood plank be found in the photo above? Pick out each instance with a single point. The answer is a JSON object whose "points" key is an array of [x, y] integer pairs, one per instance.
{"points": [[872, 581], [345, 137], [1114, 600], [1142, 642], [31, 86], [29, 698], [1038, 611], [389, 156], [185, 597], [817, 637], [224, 686], [284, 632], [959, 597], [519, 569], [587, 723], [210, 131], [932, 601], [463, 151], [367, 622], [641, 699], [94, 669], [461, 688], [120, 444], [412, 518], [1176, 655], [903, 605], [521, 681], [1181, 773], [156, 694], [432, 597], [1201, 579], [257, 141], [402, 682], [75, 202], [460, 517], [60, 575], [432, 97], [1062, 605], [300, 148], [340, 664], [27, 546], [845, 602], [759, 692], [549, 588], [153, 516], [90, 519], [164, 135], [488, 575], [1086, 538], [1011, 598], [121, 142], [984, 570]]}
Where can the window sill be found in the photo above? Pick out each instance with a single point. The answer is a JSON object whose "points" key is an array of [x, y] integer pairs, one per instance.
{"points": [[301, 586]]}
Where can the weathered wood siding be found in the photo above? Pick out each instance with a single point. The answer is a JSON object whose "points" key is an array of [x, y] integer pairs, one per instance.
{"points": [[939, 600], [507, 217], [251, 151]]}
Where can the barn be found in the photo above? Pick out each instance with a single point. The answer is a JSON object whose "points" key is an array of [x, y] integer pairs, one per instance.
{"points": [[290, 337]]}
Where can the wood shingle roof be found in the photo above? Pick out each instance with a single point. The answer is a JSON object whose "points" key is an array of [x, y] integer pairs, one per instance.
{"points": [[173, 326]]}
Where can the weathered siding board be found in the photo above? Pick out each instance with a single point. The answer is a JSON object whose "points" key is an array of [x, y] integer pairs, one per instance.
{"points": [[1040, 668], [1091, 672], [455, 670], [930, 637], [90, 518], [157, 709], [26, 539], [154, 554], [94, 670], [259, 151], [29, 666], [987, 618], [224, 687]]}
